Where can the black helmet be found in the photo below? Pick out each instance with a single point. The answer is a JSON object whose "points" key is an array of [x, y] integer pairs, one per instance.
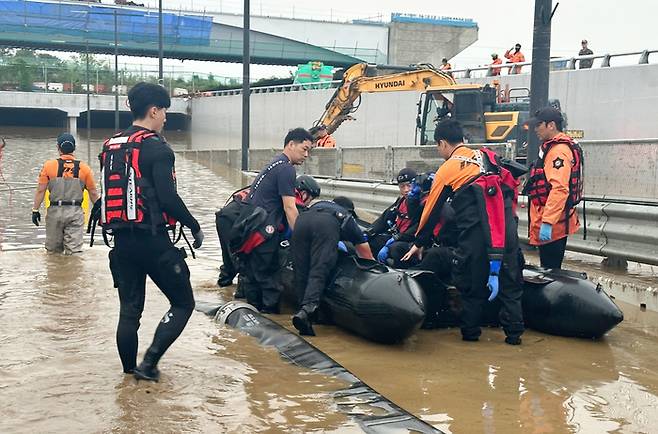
{"points": [[308, 184]]}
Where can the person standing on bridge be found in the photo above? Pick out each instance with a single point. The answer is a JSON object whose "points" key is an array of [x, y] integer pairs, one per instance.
{"points": [[514, 55], [554, 187], [585, 51], [139, 205], [66, 180], [495, 60]]}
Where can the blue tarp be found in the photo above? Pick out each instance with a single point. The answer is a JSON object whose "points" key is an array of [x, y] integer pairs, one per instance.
{"points": [[97, 22]]}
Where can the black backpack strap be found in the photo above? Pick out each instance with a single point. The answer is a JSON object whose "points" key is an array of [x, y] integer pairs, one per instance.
{"points": [[60, 167], [76, 168]]}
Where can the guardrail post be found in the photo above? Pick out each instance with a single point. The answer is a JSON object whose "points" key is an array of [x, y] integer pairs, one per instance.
{"points": [[571, 64], [388, 158], [606, 61], [339, 163], [615, 262], [467, 73], [644, 58]]}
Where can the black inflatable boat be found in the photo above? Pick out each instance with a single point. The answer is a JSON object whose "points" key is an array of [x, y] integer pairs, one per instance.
{"points": [[367, 298], [387, 305]]}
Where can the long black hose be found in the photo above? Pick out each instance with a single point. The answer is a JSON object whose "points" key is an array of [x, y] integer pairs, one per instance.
{"points": [[385, 417]]}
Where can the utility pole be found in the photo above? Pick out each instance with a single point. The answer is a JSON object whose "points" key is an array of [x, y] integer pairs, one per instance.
{"points": [[160, 46], [116, 71], [246, 60], [541, 53]]}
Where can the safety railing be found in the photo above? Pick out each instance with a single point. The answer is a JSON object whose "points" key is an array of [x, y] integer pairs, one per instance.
{"points": [[561, 63], [617, 231], [276, 88]]}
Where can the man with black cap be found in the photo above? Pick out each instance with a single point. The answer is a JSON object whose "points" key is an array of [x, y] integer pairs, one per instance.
{"points": [[396, 220], [314, 245], [65, 179], [554, 187]]}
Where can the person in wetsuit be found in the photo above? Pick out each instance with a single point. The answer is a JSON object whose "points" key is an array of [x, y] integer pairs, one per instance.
{"points": [[314, 247], [142, 245]]}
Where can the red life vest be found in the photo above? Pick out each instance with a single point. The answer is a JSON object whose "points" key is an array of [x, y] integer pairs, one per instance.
{"points": [[538, 188], [127, 196], [402, 220], [493, 177]]}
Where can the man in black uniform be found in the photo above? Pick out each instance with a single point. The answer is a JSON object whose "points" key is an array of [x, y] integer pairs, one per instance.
{"points": [[314, 253], [306, 189], [133, 211], [272, 194]]}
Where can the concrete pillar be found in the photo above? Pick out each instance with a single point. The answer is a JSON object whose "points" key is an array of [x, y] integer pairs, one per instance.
{"points": [[73, 124]]}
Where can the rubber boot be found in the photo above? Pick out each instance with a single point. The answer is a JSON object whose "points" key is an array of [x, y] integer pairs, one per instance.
{"points": [[147, 370], [513, 340], [239, 292], [302, 320], [224, 279]]}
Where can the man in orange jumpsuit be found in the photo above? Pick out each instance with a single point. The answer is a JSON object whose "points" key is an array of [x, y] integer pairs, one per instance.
{"points": [[495, 60], [323, 138], [554, 188], [514, 55], [486, 262]]}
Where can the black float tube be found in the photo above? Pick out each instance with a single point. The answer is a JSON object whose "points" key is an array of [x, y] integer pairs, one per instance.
{"points": [[244, 317]]}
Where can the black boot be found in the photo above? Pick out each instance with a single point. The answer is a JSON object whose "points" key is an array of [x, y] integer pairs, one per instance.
{"points": [[147, 370], [225, 279], [239, 292], [513, 340], [302, 321]]}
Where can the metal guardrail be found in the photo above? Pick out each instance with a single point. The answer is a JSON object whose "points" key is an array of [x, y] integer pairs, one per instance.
{"points": [[569, 61], [273, 89], [616, 229], [619, 232]]}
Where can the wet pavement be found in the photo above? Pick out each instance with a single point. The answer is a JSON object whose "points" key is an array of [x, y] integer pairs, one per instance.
{"points": [[59, 370]]}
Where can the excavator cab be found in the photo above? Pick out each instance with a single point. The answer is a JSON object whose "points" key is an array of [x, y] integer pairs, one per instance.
{"points": [[466, 103]]}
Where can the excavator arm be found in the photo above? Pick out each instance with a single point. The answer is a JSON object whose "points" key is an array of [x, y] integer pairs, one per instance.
{"points": [[355, 82]]}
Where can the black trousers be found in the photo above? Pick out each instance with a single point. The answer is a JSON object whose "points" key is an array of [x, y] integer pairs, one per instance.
{"points": [[138, 254], [552, 254], [471, 272], [395, 253], [224, 224], [259, 271], [314, 254]]}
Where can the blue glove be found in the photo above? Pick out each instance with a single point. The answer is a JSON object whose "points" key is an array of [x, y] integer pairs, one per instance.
{"points": [[342, 246], [492, 283], [389, 242], [545, 232], [415, 191], [382, 256]]}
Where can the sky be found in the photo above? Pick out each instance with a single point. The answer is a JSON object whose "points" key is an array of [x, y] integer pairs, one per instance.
{"points": [[610, 26]]}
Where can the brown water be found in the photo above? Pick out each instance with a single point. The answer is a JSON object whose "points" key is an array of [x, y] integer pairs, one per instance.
{"points": [[59, 371]]}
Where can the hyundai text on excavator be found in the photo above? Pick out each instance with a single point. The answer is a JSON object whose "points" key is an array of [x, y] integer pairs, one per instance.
{"points": [[479, 108]]}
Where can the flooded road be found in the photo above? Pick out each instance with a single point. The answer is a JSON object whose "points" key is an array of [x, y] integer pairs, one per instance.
{"points": [[59, 370]]}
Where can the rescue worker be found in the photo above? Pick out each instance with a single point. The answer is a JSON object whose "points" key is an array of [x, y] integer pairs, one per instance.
{"points": [[514, 55], [585, 51], [396, 218], [314, 253], [445, 66], [322, 138], [306, 189], [65, 179], [268, 213], [495, 60], [554, 188], [486, 256], [138, 218]]}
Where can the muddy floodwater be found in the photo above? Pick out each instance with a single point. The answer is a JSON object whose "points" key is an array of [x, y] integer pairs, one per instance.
{"points": [[60, 372]]}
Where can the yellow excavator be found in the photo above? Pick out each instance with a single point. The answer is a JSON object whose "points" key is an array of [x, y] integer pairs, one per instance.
{"points": [[478, 107]]}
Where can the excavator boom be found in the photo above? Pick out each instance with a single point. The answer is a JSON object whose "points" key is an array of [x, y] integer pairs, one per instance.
{"points": [[355, 82]]}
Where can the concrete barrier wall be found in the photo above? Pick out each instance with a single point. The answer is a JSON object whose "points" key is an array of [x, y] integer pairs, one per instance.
{"points": [[607, 103], [613, 169]]}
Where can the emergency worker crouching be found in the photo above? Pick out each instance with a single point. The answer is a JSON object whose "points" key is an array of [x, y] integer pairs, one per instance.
{"points": [[554, 188], [314, 245], [267, 215], [306, 189], [66, 179], [139, 204], [486, 256]]}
